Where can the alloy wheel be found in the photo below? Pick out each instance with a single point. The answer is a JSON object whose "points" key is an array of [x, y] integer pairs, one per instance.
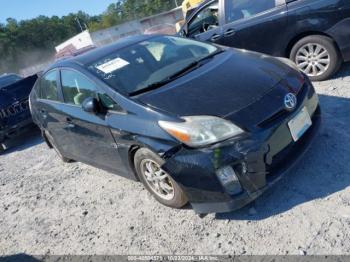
{"points": [[313, 59], [157, 179]]}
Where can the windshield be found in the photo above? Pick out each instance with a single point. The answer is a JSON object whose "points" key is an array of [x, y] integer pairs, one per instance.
{"points": [[135, 68], [8, 80]]}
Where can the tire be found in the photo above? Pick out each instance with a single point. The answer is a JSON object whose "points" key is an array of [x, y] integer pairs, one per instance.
{"points": [[49, 139], [175, 198], [308, 53], [2, 149]]}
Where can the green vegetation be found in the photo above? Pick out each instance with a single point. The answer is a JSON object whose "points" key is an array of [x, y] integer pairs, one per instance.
{"points": [[18, 38]]}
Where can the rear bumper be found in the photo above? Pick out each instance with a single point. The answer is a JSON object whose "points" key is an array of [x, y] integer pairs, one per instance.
{"points": [[266, 156], [341, 34]]}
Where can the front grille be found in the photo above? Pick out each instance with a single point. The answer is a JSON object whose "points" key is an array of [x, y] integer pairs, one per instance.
{"points": [[14, 109], [283, 113]]}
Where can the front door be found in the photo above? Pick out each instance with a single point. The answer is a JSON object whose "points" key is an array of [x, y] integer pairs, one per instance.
{"points": [[256, 25], [91, 139], [204, 25]]}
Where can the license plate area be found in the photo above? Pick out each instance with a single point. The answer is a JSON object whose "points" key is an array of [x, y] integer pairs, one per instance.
{"points": [[300, 124]]}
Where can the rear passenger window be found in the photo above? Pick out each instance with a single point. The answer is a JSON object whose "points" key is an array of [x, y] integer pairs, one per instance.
{"points": [[240, 9], [76, 87], [48, 86]]}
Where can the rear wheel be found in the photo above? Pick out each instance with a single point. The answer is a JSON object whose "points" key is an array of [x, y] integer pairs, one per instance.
{"points": [[157, 181], [316, 56]]}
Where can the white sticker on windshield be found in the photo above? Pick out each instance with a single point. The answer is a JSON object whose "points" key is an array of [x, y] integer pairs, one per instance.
{"points": [[112, 65]]}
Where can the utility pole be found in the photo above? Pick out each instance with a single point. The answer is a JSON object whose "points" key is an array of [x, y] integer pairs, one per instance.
{"points": [[78, 21]]}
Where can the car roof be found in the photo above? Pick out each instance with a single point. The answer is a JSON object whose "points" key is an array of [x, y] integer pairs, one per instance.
{"points": [[100, 52]]}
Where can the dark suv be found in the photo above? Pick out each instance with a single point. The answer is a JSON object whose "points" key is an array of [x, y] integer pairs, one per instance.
{"points": [[14, 109], [315, 34]]}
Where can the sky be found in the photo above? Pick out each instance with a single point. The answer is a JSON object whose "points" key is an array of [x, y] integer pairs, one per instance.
{"points": [[27, 9]]}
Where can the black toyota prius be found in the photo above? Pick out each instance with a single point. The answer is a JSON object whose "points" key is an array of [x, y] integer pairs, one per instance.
{"points": [[192, 121]]}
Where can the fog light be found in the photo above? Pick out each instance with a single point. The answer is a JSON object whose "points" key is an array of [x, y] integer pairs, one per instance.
{"points": [[229, 180]]}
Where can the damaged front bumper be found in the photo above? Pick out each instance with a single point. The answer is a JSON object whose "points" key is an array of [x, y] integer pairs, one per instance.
{"points": [[259, 161]]}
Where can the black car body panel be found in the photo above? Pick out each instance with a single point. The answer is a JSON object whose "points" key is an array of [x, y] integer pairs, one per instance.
{"points": [[276, 30], [203, 88], [14, 108], [222, 87], [267, 155]]}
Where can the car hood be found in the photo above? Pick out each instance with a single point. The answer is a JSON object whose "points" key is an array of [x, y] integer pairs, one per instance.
{"points": [[17, 91], [6, 99], [231, 81]]}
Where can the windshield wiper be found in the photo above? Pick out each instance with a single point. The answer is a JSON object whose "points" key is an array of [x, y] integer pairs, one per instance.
{"points": [[150, 87], [194, 65], [163, 82]]}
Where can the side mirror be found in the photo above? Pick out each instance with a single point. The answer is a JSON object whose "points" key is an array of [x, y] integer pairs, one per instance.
{"points": [[90, 105]]}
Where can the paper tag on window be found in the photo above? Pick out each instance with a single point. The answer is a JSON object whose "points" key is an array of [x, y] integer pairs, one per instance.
{"points": [[112, 65]]}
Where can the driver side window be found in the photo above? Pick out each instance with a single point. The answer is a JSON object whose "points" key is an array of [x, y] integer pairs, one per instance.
{"points": [[76, 87], [205, 20], [241, 9]]}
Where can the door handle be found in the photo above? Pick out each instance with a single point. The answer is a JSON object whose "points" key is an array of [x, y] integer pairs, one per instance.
{"points": [[70, 123], [229, 32], [215, 38], [43, 113]]}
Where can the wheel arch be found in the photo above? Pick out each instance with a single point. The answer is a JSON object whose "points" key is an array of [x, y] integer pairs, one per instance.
{"points": [[300, 36], [164, 151], [131, 155]]}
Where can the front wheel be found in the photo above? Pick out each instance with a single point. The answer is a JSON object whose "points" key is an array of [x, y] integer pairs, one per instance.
{"points": [[157, 181], [316, 56]]}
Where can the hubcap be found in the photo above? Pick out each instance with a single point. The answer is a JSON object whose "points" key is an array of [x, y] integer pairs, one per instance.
{"points": [[158, 180], [313, 59]]}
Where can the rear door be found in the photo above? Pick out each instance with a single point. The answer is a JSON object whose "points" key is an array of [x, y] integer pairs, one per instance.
{"points": [[256, 25], [91, 139], [50, 112]]}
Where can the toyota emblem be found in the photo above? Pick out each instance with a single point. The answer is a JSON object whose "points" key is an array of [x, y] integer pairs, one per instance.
{"points": [[290, 101]]}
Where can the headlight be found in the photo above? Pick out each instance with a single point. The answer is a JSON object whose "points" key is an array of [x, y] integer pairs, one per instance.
{"points": [[198, 131]]}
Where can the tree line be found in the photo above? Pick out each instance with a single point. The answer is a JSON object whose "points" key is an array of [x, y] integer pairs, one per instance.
{"points": [[20, 39]]}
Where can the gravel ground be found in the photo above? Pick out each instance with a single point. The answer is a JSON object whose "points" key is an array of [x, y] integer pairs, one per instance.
{"points": [[48, 207]]}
